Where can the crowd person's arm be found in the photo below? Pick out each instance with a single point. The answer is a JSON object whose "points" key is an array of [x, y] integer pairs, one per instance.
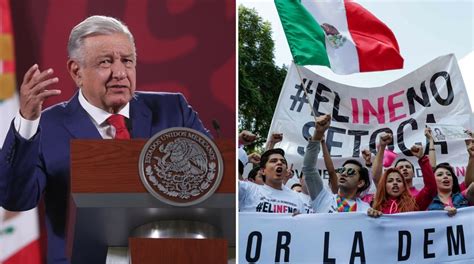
{"points": [[254, 158], [429, 190], [367, 156], [312, 178], [22, 177], [432, 150], [469, 178], [329, 166], [246, 137], [275, 138], [289, 174], [470, 194], [377, 167]]}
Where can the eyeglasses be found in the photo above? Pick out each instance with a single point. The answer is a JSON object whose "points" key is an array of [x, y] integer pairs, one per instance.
{"points": [[350, 171]]}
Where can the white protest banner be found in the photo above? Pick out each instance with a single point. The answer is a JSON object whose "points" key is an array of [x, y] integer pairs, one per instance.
{"points": [[434, 93], [417, 237]]}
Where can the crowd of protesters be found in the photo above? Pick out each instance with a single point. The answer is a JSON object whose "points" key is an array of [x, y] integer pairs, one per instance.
{"points": [[264, 188]]}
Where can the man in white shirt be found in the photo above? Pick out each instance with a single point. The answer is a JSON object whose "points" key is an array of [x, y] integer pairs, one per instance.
{"points": [[352, 178], [273, 196]]}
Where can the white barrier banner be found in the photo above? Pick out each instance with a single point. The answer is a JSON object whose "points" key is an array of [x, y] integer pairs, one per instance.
{"points": [[418, 237], [433, 94]]}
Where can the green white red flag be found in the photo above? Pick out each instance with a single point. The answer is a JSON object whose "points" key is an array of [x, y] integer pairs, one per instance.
{"points": [[340, 34], [19, 231]]}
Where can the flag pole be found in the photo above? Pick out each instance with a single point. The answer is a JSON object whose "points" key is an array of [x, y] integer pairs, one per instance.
{"points": [[305, 92]]}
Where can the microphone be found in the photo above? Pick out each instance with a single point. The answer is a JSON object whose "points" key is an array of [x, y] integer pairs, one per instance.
{"points": [[217, 127]]}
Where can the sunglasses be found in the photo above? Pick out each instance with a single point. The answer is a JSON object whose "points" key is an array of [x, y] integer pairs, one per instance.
{"points": [[350, 171]]}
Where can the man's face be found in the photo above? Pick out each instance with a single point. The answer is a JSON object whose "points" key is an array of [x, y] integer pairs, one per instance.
{"points": [[406, 169], [349, 179], [275, 170], [107, 73]]}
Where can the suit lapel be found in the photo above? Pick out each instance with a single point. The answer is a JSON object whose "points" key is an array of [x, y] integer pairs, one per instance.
{"points": [[140, 115], [78, 122]]}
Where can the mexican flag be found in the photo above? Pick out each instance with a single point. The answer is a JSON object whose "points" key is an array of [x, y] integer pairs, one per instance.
{"points": [[19, 231], [339, 34], [19, 237]]}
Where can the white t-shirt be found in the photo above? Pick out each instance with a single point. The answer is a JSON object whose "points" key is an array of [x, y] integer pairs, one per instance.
{"points": [[306, 200], [326, 202], [265, 199]]}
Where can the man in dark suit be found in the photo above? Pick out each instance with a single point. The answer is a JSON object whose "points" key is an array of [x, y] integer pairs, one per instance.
{"points": [[34, 160]]}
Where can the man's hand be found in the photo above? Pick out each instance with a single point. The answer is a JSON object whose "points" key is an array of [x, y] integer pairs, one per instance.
{"points": [[33, 91], [254, 158], [374, 213], [470, 147], [385, 139], [322, 124], [289, 174], [367, 156], [451, 211], [276, 137], [247, 137], [417, 151], [428, 133]]}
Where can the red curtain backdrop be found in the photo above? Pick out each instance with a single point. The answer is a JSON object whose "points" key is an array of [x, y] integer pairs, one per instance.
{"points": [[185, 46]]}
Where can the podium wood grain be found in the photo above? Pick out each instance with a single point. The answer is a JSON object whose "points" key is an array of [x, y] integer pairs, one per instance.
{"points": [[178, 251], [111, 166]]}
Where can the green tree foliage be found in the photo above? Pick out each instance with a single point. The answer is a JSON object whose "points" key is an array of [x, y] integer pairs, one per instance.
{"points": [[260, 80]]}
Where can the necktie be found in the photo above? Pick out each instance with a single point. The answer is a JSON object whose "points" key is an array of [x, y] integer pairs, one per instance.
{"points": [[118, 121]]}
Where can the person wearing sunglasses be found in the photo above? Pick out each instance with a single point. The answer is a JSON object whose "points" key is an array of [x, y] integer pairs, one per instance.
{"points": [[352, 179]]}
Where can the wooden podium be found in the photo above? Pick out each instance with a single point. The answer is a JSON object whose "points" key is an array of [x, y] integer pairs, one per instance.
{"points": [[108, 200]]}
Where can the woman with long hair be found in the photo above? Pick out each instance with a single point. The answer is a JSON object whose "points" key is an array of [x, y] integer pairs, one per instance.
{"points": [[393, 195], [449, 196]]}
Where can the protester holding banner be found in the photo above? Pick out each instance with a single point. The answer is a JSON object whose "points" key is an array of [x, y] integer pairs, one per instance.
{"points": [[353, 178], [273, 196], [392, 193], [449, 196]]}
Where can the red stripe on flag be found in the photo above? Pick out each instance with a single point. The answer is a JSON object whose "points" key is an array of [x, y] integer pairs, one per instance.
{"points": [[376, 44], [27, 255], [5, 19], [8, 66]]}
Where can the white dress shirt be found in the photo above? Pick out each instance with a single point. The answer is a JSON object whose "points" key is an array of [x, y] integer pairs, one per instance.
{"points": [[28, 128]]}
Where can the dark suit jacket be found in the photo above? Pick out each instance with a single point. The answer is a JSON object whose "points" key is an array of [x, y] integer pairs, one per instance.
{"points": [[41, 166]]}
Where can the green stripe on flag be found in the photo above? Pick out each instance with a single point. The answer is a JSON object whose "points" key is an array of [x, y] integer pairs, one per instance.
{"points": [[7, 231], [304, 35]]}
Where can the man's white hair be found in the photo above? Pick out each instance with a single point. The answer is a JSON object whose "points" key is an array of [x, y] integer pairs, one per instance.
{"points": [[94, 26]]}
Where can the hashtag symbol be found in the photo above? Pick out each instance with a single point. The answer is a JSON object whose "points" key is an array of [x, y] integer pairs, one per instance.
{"points": [[300, 97], [259, 207]]}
